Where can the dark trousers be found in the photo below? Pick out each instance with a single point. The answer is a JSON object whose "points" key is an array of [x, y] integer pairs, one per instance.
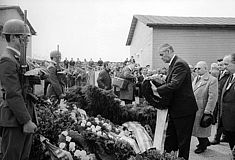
{"points": [[230, 135], [203, 142], [178, 135], [219, 130], [16, 145]]}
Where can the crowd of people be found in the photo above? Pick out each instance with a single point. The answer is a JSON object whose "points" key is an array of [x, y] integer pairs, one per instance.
{"points": [[196, 96]]}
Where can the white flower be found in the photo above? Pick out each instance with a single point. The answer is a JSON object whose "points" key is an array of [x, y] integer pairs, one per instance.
{"points": [[93, 130], [65, 133], [99, 133], [71, 146], [92, 127], [85, 158], [73, 114], [98, 128], [97, 120], [88, 128], [83, 153], [83, 124], [62, 145], [109, 127], [68, 139], [88, 124], [77, 153], [105, 124], [84, 121], [117, 130], [92, 156]]}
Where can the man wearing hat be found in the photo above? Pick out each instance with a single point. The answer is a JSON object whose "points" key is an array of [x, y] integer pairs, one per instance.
{"points": [[55, 88], [205, 88], [17, 114]]}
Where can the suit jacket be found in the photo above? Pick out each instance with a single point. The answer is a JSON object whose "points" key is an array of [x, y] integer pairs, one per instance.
{"points": [[221, 81], [206, 94], [55, 87], [14, 111], [228, 105], [179, 86], [104, 80]]}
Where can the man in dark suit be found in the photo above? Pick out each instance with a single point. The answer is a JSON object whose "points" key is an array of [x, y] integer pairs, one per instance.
{"points": [[104, 80], [182, 104], [223, 76], [17, 114], [228, 103]]}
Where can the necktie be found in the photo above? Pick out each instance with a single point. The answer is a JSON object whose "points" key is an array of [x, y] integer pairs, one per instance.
{"points": [[198, 79], [230, 79]]}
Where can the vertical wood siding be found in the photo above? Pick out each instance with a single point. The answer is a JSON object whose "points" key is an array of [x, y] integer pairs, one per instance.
{"points": [[194, 45]]}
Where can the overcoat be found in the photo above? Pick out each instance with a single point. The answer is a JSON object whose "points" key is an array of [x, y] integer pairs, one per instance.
{"points": [[104, 80], [128, 93], [206, 94], [228, 105]]}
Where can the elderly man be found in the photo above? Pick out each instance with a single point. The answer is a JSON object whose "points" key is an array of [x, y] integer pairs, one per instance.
{"points": [[222, 78], [228, 103], [205, 88], [183, 106], [127, 94]]}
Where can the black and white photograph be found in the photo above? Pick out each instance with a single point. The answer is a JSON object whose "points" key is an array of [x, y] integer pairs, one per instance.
{"points": [[117, 80]]}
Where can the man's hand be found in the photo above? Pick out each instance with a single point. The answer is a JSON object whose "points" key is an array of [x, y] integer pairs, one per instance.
{"points": [[29, 127], [154, 88]]}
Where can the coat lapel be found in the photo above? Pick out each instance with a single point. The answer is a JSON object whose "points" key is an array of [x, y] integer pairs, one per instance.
{"points": [[226, 87], [201, 82], [171, 67]]}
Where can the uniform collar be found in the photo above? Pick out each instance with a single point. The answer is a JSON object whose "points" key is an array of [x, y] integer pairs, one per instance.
{"points": [[53, 62], [17, 53]]}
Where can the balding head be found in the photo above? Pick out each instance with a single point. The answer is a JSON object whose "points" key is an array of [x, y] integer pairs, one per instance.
{"points": [[229, 62], [166, 52], [201, 68]]}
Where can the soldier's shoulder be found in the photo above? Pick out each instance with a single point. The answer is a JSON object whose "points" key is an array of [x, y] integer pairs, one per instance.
{"points": [[6, 56]]}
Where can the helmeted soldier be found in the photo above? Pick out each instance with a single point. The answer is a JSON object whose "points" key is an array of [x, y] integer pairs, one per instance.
{"points": [[55, 88], [17, 114]]}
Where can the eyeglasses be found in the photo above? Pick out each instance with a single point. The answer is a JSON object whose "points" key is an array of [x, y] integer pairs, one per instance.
{"points": [[197, 68]]}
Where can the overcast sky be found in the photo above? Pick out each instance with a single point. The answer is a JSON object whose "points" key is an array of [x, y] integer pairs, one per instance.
{"points": [[99, 28]]}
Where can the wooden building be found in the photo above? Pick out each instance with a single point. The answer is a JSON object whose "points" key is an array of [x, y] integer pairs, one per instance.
{"points": [[193, 38], [13, 12]]}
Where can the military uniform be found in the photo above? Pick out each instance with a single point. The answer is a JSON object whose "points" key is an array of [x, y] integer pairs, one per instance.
{"points": [[15, 111], [55, 89]]}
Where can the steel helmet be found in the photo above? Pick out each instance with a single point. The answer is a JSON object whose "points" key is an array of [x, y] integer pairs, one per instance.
{"points": [[55, 53], [15, 26]]}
